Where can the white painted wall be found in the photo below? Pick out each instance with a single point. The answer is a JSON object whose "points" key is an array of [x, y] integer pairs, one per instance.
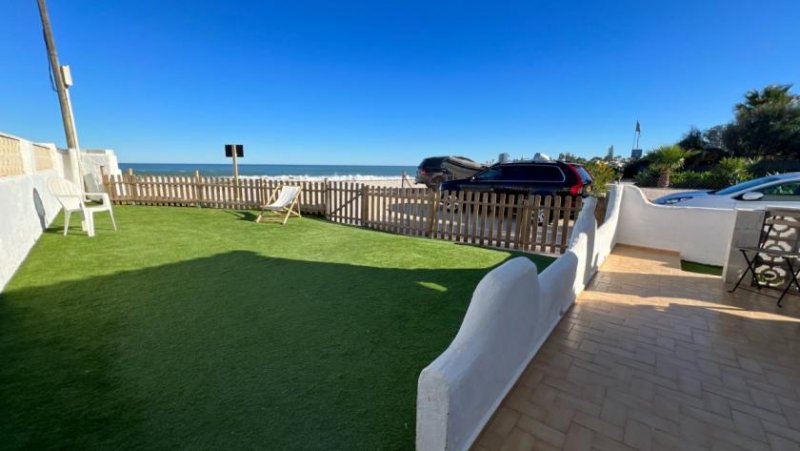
{"points": [[699, 234], [513, 311], [93, 159], [459, 390], [21, 222]]}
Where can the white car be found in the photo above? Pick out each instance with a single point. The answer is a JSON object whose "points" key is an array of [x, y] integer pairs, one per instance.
{"points": [[771, 191]]}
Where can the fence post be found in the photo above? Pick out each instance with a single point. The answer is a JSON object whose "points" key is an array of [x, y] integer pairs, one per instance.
{"points": [[432, 210], [198, 189], [134, 186], [364, 206], [326, 194], [107, 184], [526, 222]]}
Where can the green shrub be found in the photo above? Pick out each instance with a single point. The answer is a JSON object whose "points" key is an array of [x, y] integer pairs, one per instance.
{"points": [[602, 173], [699, 180], [646, 177], [734, 170]]}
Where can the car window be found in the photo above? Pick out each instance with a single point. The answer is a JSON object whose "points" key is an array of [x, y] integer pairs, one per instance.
{"points": [[432, 163], [542, 173], [746, 185], [517, 173], [523, 173], [585, 176], [789, 191], [490, 174]]}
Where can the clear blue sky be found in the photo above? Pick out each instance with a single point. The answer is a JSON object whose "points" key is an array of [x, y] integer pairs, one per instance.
{"points": [[389, 82]]}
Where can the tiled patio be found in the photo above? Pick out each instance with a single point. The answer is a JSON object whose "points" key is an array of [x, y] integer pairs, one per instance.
{"points": [[652, 357]]}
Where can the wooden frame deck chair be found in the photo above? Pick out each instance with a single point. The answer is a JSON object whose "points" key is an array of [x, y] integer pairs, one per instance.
{"points": [[285, 202], [72, 200]]}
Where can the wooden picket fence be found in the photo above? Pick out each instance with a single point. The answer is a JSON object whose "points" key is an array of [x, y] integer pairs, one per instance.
{"points": [[520, 222]]}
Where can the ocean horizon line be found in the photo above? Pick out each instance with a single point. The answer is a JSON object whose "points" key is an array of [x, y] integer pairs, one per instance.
{"points": [[128, 163], [277, 172]]}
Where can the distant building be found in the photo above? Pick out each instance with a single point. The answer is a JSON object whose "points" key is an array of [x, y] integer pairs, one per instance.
{"points": [[541, 157], [504, 157], [636, 154]]}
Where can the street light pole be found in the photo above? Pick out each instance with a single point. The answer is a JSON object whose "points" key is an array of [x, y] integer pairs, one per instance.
{"points": [[63, 95]]}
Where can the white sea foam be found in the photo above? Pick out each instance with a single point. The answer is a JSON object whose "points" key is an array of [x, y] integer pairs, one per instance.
{"points": [[320, 178]]}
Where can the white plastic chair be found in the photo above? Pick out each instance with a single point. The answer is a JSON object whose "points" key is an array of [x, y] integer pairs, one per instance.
{"points": [[70, 197], [93, 185], [287, 202]]}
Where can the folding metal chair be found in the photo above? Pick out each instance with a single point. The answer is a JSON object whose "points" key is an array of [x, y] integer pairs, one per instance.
{"points": [[753, 254]]}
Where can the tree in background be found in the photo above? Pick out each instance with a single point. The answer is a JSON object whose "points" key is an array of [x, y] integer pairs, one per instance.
{"points": [[610, 153], [733, 170], [567, 156], [713, 137], [693, 140], [767, 124], [666, 159]]}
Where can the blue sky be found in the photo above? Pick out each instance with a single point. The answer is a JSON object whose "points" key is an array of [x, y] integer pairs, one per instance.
{"points": [[389, 82]]}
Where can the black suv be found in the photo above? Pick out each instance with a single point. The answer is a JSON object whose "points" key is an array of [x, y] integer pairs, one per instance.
{"points": [[435, 170], [535, 177]]}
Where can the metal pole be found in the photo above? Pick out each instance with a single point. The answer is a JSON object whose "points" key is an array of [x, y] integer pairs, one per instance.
{"points": [[63, 96], [235, 166], [235, 172]]}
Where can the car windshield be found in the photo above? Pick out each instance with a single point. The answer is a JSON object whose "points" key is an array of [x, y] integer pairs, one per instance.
{"points": [[745, 185]]}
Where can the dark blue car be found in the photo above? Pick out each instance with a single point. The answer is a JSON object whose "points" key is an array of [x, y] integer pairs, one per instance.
{"points": [[534, 177]]}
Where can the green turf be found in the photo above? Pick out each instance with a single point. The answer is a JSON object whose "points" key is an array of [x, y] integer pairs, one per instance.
{"points": [[195, 328], [701, 268]]}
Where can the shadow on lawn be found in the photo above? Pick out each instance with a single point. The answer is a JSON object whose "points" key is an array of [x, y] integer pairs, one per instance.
{"points": [[243, 215], [237, 350]]}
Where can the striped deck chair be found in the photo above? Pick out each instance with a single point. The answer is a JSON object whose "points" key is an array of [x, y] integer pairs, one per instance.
{"points": [[286, 202]]}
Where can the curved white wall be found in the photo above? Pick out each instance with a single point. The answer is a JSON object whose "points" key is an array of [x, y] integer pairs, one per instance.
{"points": [[453, 389], [699, 234], [513, 311]]}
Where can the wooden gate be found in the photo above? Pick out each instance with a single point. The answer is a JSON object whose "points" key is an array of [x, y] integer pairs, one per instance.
{"points": [[344, 202]]}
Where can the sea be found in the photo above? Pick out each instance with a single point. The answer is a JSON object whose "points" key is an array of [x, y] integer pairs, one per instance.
{"points": [[276, 171]]}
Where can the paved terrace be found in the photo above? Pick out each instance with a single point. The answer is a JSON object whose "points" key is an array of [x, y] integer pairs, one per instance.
{"points": [[652, 357]]}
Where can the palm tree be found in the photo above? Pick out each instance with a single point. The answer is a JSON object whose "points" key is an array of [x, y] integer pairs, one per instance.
{"points": [[772, 96], [666, 159]]}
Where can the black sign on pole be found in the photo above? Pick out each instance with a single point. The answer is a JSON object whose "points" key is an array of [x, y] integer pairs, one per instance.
{"points": [[229, 148]]}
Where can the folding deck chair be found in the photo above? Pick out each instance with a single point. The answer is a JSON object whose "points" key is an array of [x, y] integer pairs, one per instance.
{"points": [[776, 222], [287, 203]]}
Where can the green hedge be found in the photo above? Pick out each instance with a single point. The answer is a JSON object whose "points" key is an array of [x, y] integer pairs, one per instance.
{"points": [[686, 179]]}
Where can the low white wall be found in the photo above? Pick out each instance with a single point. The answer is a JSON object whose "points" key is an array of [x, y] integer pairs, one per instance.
{"points": [[93, 162], [700, 235], [513, 311], [93, 159], [453, 393], [26, 209]]}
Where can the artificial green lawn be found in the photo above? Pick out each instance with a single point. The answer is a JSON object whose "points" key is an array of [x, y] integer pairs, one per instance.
{"points": [[701, 268], [196, 328]]}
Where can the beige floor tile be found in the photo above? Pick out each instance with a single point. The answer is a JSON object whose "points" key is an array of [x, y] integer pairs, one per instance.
{"points": [[651, 357]]}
